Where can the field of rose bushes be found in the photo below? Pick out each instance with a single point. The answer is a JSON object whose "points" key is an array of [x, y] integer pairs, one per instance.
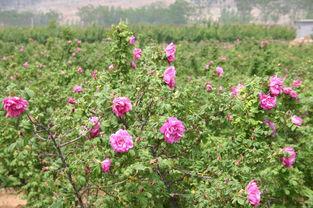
{"points": [[152, 122]]}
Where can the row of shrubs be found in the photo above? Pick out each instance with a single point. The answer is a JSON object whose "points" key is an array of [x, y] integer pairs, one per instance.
{"points": [[160, 33]]}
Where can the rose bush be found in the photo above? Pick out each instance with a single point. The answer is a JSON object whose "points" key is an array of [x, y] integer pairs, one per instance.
{"points": [[154, 136]]}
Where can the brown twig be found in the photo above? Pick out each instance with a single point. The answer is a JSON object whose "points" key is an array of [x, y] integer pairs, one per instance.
{"points": [[51, 136]]}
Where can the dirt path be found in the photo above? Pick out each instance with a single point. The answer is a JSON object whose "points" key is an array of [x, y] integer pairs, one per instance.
{"points": [[10, 199]]}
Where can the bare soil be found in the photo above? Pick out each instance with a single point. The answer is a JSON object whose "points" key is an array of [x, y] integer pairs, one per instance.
{"points": [[9, 198]]}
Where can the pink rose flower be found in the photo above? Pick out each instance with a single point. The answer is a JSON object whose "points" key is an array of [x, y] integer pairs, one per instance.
{"points": [[253, 193], [169, 77], [289, 91], [136, 54], [297, 83], [77, 89], [95, 129], [121, 105], [26, 65], [276, 85], [80, 70], [132, 40], [94, 74], [296, 120], [293, 94], [236, 89], [173, 130], [289, 160], [170, 51], [219, 71], [133, 65], [71, 100], [209, 87], [271, 125], [121, 141], [14, 106], [106, 165], [267, 102]]}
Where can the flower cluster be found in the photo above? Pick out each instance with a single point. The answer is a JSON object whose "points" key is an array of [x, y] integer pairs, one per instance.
{"points": [[236, 90], [14, 106], [78, 89], [290, 157], [95, 129], [170, 51], [106, 165], [121, 141], [121, 105], [169, 75], [267, 102], [219, 71], [173, 130], [137, 52], [253, 193]]}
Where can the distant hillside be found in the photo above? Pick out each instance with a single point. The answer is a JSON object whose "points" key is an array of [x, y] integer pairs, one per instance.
{"points": [[224, 11], [256, 11]]}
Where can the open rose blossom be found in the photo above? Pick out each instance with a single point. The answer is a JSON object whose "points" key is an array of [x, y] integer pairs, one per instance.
{"points": [[290, 157], [106, 165], [267, 102], [209, 87], [136, 53], [14, 106], [95, 129], [121, 105], [71, 100], [253, 193], [236, 89], [296, 120], [121, 141], [276, 85], [296, 83], [289, 91], [132, 40], [77, 89], [219, 71], [173, 130], [271, 125], [170, 51], [169, 77]]}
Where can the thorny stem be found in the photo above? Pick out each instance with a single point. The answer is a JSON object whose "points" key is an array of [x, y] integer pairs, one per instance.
{"points": [[63, 159]]}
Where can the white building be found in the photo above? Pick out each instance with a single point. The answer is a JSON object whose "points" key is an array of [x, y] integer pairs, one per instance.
{"points": [[304, 28]]}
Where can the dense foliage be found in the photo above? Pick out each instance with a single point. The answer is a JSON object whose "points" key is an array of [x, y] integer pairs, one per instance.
{"points": [[193, 141]]}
